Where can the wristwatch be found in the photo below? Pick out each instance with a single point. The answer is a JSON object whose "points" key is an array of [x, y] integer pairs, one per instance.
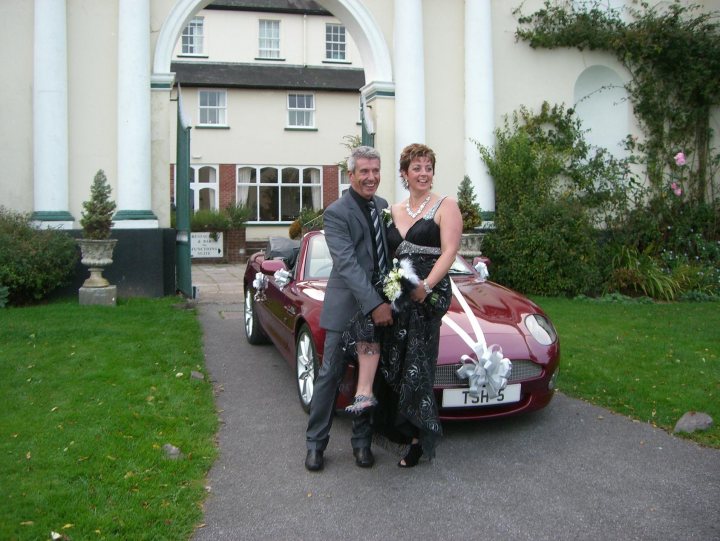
{"points": [[427, 288]]}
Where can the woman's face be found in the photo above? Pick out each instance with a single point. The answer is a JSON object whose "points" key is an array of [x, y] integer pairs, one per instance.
{"points": [[419, 175]]}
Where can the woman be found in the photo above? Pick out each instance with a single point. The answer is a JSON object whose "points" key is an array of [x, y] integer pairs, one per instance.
{"points": [[425, 229]]}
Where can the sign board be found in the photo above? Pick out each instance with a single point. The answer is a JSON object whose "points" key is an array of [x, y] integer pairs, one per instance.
{"points": [[206, 245]]}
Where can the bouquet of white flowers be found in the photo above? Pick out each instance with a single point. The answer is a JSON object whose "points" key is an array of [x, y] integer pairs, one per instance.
{"points": [[399, 282]]}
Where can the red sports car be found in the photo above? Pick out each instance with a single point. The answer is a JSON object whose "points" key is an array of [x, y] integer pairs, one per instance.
{"points": [[285, 289]]}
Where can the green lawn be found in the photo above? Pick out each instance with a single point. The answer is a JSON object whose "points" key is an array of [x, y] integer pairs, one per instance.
{"points": [[90, 396], [651, 362]]}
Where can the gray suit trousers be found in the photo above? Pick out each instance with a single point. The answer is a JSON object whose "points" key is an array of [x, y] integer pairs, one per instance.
{"points": [[322, 407]]}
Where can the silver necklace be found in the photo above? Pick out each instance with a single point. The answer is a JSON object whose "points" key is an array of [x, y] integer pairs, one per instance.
{"points": [[414, 214]]}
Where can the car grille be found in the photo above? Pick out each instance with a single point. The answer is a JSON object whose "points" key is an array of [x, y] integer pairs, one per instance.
{"points": [[446, 375]]}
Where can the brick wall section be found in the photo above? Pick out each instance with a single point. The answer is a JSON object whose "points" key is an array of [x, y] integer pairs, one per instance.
{"points": [[235, 242], [172, 182], [330, 184], [227, 185]]}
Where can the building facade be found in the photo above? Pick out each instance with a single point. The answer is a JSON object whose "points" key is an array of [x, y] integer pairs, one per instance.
{"points": [[272, 93], [92, 85]]}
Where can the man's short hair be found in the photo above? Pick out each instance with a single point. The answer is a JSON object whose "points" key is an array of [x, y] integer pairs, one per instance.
{"points": [[369, 153]]}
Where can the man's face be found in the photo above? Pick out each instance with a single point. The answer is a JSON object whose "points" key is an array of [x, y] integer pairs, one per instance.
{"points": [[365, 179]]}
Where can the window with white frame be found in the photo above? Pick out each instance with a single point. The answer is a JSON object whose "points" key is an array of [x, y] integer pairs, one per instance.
{"points": [[193, 37], [269, 39], [334, 41], [301, 110], [204, 187], [343, 181], [213, 107], [278, 193]]}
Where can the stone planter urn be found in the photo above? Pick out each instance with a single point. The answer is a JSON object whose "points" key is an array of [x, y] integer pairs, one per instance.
{"points": [[470, 244], [96, 255]]}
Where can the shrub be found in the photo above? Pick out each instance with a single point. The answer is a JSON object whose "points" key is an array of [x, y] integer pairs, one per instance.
{"points": [[238, 215], [308, 220], [209, 220], [469, 208], [3, 296], [33, 262], [97, 212], [549, 249], [551, 190], [635, 273]]}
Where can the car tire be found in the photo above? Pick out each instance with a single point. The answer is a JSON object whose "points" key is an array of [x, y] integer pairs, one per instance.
{"points": [[306, 366], [253, 329]]}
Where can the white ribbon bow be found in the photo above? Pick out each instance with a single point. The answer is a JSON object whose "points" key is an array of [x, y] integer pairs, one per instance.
{"points": [[259, 283], [482, 270], [490, 368], [282, 277]]}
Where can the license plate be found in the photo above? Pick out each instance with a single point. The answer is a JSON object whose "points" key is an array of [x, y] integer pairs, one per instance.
{"points": [[461, 398]]}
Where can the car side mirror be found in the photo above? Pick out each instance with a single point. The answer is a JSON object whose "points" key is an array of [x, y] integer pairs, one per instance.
{"points": [[481, 259], [271, 266]]}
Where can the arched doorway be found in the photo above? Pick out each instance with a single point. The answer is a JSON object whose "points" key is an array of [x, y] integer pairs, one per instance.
{"points": [[361, 25]]}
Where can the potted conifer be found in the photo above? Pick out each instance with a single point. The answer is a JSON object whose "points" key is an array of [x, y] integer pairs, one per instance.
{"points": [[471, 239], [96, 245]]}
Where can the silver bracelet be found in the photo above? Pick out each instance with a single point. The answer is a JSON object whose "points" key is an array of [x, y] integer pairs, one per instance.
{"points": [[427, 288]]}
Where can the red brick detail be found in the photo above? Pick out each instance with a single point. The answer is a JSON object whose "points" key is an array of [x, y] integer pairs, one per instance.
{"points": [[330, 184], [227, 185], [235, 246], [172, 182]]}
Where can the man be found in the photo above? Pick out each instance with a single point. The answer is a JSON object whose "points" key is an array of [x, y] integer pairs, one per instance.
{"points": [[350, 236]]}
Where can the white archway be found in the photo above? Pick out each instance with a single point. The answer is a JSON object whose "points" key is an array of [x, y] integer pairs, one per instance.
{"points": [[601, 103], [352, 13]]}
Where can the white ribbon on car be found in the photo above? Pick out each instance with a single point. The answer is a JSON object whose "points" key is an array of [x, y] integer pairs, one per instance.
{"points": [[482, 270], [490, 368], [259, 283], [282, 277]]}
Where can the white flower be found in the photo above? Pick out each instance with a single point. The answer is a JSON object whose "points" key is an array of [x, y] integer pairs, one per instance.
{"points": [[387, 216], [392, 283]]}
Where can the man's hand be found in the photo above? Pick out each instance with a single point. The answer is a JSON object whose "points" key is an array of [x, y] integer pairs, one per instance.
{"points": [[382, 315]]}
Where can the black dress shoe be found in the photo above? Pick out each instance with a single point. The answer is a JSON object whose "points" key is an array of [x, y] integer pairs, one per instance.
{"points": [[314, 460], [364, 457]]}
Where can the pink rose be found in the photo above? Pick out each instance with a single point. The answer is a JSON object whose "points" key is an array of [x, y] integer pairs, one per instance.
{"points": [[679, 158]]}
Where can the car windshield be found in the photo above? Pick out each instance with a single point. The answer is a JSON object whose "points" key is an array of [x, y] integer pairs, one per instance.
{"points": [[318, 262]]}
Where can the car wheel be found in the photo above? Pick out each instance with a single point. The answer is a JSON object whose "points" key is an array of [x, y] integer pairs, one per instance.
{"points": [[306, 363], [253, 329]]}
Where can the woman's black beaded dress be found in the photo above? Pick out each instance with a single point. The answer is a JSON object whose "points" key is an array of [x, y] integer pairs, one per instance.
{"points": [[404, 387]]}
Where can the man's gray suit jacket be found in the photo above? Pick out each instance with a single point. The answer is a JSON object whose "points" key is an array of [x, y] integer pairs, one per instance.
{"points": [[349, 240]]}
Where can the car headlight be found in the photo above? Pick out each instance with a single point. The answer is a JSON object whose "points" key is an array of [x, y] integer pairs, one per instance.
{"points": [[541, 329]]}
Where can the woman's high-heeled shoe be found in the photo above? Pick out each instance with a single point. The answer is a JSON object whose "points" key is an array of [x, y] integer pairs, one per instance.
{"points": [[412, 457], [362, 404]]}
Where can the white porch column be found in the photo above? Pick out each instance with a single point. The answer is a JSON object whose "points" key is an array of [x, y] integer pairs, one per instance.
{"points": [[134, 195], [50, 116], [409, 60], [479, 97]]}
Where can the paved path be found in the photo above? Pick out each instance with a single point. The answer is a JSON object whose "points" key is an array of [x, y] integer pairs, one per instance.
{"points": [[218, 283], [570, 472]]}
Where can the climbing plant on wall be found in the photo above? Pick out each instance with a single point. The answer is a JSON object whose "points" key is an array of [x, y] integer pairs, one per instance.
{"points": [[672, 52]]}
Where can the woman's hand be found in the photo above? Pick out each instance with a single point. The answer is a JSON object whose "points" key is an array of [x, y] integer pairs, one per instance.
{"points": [[419, 294]]}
